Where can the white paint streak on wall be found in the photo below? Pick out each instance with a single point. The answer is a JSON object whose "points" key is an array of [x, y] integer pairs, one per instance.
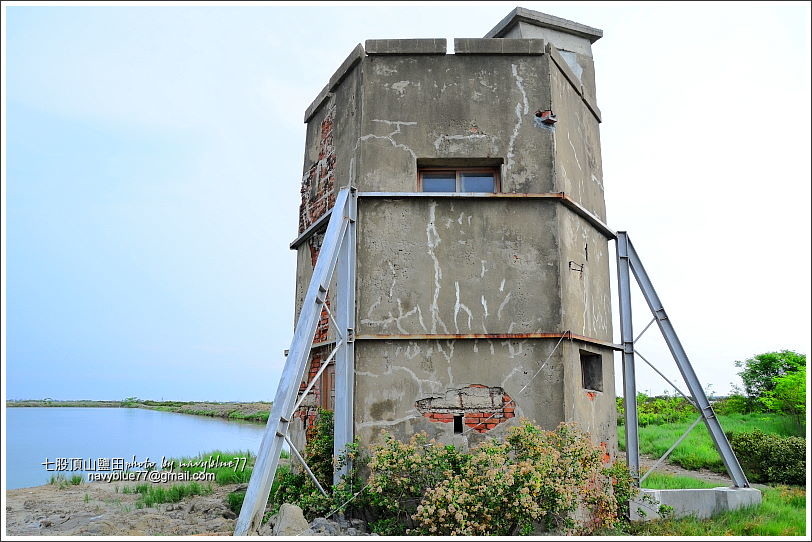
{"points": [[502, 286], [432, 240], [502, 306], [400, 87], [519, 109], [460, 306], [439, 140], [390, 137], [394, 277], [481, 273], [372, 307], [574, 152]]}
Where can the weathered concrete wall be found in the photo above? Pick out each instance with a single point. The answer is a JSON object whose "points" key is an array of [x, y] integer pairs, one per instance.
{"points": [[578, 169], [395, 378], [593, 410], [430, 265], [451, 107]]}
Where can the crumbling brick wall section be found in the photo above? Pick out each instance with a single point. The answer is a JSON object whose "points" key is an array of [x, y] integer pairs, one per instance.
{"points": [[318, 182], [323, 327], [481, 407], [309, 408]]}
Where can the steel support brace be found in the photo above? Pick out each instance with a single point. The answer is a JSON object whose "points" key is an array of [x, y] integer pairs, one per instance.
{"points": [[680, 357], [627, 340], [339, 228], [345, 359]]}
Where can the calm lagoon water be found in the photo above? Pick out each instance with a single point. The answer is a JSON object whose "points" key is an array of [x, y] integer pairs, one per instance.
{"points": [[36, 434]]}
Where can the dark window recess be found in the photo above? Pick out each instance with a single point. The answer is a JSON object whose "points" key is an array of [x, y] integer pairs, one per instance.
{"points": [[459, 180], [458, 424], [591, 371]]}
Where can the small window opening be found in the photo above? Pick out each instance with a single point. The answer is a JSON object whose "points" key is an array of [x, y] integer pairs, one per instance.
{"points": [[591, 371], [459, 180], [457, 424]]}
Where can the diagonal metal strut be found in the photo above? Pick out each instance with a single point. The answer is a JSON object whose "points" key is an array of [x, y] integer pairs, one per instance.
{"points": [[339, 234], [629, 260]]}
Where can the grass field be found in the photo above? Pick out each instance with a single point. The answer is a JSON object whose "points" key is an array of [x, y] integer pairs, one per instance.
{"points": [[782, 512], [697, 450]]}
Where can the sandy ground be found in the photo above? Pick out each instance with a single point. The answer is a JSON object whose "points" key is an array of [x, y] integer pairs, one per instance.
{"points": [[100, 508]]}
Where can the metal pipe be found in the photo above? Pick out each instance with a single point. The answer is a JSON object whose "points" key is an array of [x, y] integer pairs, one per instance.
{"points": [[644, 330], [305, 465], [691, 401], [626, 334], [671, 449], [486, 336], [312, 383]]}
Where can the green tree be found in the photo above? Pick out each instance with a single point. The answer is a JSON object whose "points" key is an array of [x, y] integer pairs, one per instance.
{"points": [[788, 395], [759, 372]]}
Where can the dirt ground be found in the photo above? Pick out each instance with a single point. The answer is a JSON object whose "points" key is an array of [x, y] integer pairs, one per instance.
{"points": [[670, 468], [100, 508]]}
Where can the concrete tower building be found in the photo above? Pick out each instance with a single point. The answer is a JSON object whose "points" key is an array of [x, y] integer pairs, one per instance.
{"points": [[482, 267]]}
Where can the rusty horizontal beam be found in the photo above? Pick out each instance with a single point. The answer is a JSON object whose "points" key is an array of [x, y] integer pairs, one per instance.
{"points": [[485, 336]]}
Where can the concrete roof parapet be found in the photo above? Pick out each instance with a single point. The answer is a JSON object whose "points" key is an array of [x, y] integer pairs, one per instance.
{"points": [[418, 46], [545, 21], [352, 59], [565, 69], [491, 46]]}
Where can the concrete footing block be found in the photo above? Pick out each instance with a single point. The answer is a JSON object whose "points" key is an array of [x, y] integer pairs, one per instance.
{"points": [[700, 503]]}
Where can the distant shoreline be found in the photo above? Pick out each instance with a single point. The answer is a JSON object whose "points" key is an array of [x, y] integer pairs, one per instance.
{"points": [[251, 412]]}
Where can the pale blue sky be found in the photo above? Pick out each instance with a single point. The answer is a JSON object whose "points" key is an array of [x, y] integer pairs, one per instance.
{"points": [[154, 155]]}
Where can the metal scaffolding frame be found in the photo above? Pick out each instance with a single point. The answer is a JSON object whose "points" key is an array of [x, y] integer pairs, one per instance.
{"points": [[338, 251]]}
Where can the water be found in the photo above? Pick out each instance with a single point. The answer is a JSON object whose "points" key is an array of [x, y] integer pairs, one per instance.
{"points": [[36, 434]]}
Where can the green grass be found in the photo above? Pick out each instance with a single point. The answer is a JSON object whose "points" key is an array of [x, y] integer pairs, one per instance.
{"points": [[697, 450], [658, 480], [261, 416], [62, 481], [158, 495], [782, 512], [239, 473]]}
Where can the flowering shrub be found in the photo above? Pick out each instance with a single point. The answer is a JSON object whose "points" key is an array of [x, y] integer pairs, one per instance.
{"points": [[555, 479]]}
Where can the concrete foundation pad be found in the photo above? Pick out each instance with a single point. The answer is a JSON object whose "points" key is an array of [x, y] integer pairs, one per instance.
{"points": [[701, 503]]}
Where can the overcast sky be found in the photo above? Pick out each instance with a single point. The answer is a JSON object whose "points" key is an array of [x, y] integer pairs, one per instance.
{"points": [[153, 157]]}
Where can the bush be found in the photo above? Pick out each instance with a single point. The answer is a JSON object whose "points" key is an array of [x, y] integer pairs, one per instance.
{"points": [[735, 404], [771, 458], [297, 487], [555, 479], [658, 410]]}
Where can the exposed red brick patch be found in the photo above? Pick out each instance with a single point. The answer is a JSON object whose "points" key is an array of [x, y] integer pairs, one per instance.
{"points": [[591, 395], [318, 182], [480, 412], [309, 409]]}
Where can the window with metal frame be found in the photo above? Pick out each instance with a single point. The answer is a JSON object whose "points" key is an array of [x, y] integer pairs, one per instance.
{"points": [[458, 180]]}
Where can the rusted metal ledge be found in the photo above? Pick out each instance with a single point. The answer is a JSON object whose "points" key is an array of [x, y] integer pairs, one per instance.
{"points": [[314, 227], [570, 203], [487, 336]]}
